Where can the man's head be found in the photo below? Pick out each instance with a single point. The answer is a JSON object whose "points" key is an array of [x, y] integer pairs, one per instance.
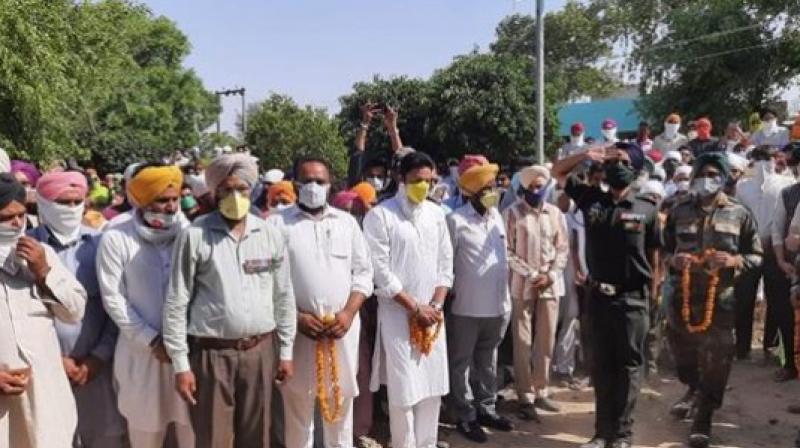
{"points": [[622, 164], [12, 209], [703, 127], [710, 173], [313, 177], [768, 114], [609, 129], [477, 180], [375, 173], [60, 201], [503, 181], [577, 129], [416, 173], [272, 177], [532, 182], [154, 190], [230, 179], [281, 195], [673, 119]]}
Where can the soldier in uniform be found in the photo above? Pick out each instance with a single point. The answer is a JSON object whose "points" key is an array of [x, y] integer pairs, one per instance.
{"points": [[715, 238], [623, 235]]}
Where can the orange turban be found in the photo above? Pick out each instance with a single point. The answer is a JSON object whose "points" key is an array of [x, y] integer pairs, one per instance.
{"points": [[366, 193], [151, 182], [283, 189], [477, 177], [796, 129]]}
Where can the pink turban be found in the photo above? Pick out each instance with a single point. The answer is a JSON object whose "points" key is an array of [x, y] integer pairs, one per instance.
{"points": [[469, 161], [343, 199], [54, 184], [26, 168]]}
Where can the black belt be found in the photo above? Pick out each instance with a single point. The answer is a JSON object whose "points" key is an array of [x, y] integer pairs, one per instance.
{"points": [[242, 345], [612, 289]]}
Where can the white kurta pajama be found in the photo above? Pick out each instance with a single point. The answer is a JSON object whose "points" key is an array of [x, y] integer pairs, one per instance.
{"points": [[329, 260], [44, 416], [411, 252], [133, 270]]}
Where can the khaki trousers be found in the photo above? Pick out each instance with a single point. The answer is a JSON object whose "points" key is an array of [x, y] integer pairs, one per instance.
{"points": [[234, 389], [533, 327]]}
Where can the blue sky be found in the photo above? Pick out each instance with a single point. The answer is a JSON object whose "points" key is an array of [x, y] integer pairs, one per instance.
{"points": [[315, 50]]}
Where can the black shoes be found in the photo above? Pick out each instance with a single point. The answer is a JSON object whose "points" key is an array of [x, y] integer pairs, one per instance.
{"points": [[497, 422], [472, 431], [597, 442], [527, 412], [546, 404], [700, 435], [683, 407]]}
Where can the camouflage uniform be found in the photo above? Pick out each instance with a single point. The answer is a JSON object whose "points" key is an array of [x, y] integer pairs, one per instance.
{"points": [[703, 360]]}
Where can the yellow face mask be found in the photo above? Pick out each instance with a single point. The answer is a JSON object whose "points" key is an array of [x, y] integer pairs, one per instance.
{"points": [[418, 191], [234, 206], [490, 199]]}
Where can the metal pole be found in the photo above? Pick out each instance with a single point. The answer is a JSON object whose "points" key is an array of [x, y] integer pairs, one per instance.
{"points": [[244, 117], [540, 80], [219, 101]]}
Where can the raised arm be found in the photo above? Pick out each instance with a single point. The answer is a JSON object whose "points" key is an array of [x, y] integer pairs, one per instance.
{"points": [[390, 123]]}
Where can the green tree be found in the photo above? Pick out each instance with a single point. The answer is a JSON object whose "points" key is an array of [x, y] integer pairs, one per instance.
{"points": [[484, 103], [578, 39], [279, 132], [409, 96]]}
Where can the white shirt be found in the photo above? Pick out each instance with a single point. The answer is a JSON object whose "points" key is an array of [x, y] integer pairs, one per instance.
{"points": [[570, 148], [411, 252], [480, 263], [328, 260], [669, 144], [762, 199], [779, 137]]}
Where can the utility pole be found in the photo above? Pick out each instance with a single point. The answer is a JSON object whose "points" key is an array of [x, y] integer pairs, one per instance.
{"points": [[234, 92], [540, 80]]}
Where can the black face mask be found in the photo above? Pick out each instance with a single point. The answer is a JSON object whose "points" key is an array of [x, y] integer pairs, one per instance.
{"points": [[618, 176], [533, 199]]}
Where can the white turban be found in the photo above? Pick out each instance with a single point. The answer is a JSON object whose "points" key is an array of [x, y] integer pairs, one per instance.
{"points": [[653, 187], [273, 176], [685, 170], [737, 162], [528, 174], [237, 164], [5, 162]]}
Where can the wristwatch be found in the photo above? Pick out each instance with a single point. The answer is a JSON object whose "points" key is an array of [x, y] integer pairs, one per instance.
{"points": [[437, 306]]}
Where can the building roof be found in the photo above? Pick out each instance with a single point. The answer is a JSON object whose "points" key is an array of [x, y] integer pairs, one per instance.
{"points": [[591, 114]]}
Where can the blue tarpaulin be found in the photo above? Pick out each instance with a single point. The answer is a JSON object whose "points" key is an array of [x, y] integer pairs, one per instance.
{"points": [[592, 114]]}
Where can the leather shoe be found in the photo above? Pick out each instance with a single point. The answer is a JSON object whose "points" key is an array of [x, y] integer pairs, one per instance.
{"points": [[495, 421], [527, 411], [472, 431], [596, 442], [546, 404]]}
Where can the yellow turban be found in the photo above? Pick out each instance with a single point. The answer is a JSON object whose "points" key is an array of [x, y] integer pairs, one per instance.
{"points": [[151, 182], [472, 180]]}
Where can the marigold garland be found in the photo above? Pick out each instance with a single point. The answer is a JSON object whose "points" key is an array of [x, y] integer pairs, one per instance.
{"points": [[423, 339], [326, 353], [711, 293]]}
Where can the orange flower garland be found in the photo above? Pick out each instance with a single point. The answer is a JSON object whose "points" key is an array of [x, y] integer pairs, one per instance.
{"points": [[326, 351], [423, 338], [711, 293]]}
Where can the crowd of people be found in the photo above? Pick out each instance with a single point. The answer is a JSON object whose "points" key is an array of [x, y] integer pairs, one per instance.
{"points": [[220, 304]]}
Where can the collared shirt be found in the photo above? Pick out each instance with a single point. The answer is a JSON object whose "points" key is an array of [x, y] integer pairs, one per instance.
{"points": [[779, 138], [480, 263], [781, 219], [95, 334], [618, 234], [761, 199], [665, 145], [538, 236], [221, 287]]}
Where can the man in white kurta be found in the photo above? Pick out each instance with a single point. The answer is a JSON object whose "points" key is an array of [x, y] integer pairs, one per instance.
{"points": [[413, 261], [331, 274], [37, 409], [133, 271]]}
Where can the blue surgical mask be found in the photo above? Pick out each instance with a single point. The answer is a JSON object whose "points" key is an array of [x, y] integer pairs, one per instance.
{"points": [[533, 199]]}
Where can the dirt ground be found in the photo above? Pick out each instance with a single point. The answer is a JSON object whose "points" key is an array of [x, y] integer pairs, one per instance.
{"points": [[753, 416]]}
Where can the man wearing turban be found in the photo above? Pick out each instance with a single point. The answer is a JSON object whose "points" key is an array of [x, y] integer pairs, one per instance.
{"points": [[87, 346], [704, 142], [280, 196], [535, 286], [710, 225], [133, 265], [37, 408], [230, 306], [671, 139], [480, 314]]}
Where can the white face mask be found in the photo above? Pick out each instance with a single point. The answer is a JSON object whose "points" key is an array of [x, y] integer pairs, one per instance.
{"points": [[62, 220], [610, 134], [770, 126], [376, 182], [160, 220], [671, 129], [314, 195], [9, 236], [576, 140]]}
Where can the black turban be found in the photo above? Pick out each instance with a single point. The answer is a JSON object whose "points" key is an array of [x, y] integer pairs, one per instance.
{"points": [[10, 190], [716, 158]]}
